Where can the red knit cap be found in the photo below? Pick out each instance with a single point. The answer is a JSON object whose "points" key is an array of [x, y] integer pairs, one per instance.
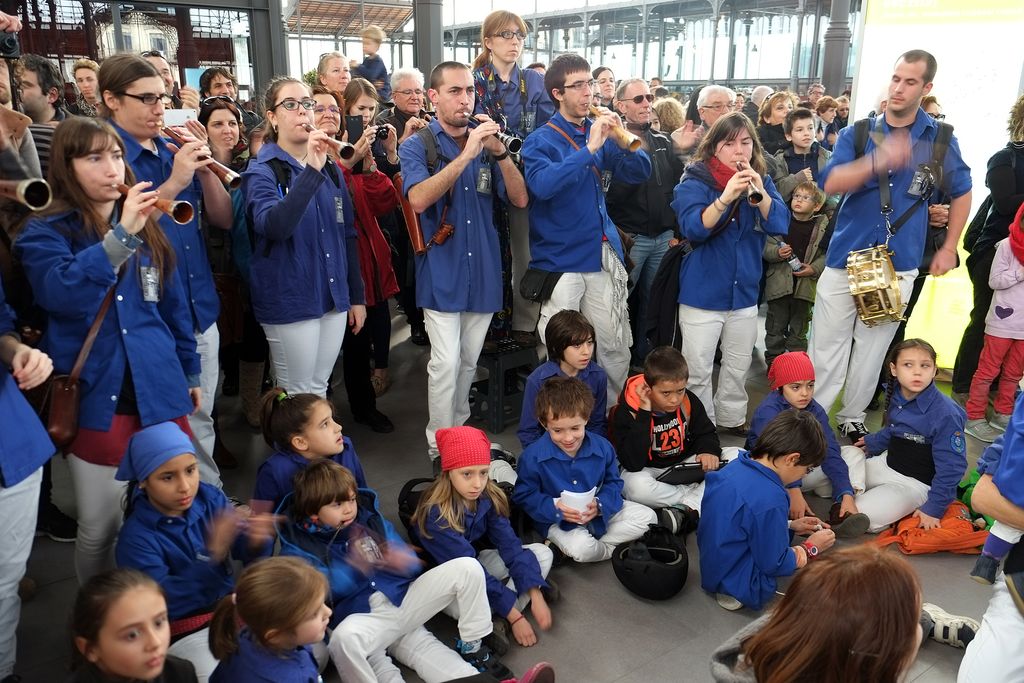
{"points": [[794, 366], [463, 447]]}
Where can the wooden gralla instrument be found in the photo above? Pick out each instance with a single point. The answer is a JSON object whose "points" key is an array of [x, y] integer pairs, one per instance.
{"points": [[181, 212], [32, 192], [623, 138], [875, 286], [226, 175]]}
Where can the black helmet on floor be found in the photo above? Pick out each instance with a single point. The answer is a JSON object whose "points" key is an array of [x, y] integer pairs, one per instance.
{"points": [[654, 567]]}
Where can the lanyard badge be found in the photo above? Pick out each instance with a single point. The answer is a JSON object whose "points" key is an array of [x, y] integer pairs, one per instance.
{"points": [[150, 284]]}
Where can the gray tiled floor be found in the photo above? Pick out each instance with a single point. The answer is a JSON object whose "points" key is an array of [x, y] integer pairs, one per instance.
{"points": [[601, 632]]}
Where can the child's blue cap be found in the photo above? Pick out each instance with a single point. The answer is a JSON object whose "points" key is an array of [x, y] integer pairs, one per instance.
{"points": [[150, 448]]}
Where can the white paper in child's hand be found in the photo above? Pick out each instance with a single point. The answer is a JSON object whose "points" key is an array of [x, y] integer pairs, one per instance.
{"points": [[578, 501]]}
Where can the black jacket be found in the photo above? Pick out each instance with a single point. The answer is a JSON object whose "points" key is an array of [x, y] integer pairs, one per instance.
{"points": [[645, 208], [773, 138], [630, 431]]}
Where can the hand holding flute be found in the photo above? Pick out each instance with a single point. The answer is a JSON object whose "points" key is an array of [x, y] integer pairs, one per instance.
{"points": [[139, 203], [754, 195], [343, 149], [612, 127], [195, 154]]}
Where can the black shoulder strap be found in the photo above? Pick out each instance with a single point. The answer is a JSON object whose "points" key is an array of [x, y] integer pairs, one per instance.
{"points": [[332, 173], [430, 145], [861, 128], [282, 174], [939, 149]]}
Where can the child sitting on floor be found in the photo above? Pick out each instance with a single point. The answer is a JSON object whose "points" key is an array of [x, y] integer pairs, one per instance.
{"points": [[380, 599], [301, 429], [463, 510], [569, 480], [570, 342], [659, 423], [744, 533]]}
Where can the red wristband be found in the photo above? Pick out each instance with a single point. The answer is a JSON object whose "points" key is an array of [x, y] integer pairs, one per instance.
{"points": [[812, 550], [517, 620]]}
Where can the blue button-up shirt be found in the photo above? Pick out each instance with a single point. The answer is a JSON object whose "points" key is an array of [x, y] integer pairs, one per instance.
{"points": [[743, 534], [444, 543], [173, 550], [536, 101], [70, 274], [306, 260], [187, 240], [723, 272], [24, 444], [545, 471], [593, 376], [860, 224], [568, 216], [274, 477], [256, 664], [463, 275], [933, 418]]}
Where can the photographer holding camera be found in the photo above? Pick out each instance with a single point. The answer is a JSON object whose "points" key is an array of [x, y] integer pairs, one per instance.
{"points": [[887, 186]]}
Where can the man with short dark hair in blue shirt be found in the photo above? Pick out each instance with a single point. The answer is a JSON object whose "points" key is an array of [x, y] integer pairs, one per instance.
{"points": [[906, 134], [570, 163], [458, 279]]}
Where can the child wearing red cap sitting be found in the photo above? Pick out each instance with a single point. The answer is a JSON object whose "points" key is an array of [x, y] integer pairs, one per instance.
{"points": [[464, 507], [841, 475]]}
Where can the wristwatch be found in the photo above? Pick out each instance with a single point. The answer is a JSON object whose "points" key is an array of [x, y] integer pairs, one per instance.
{"points": [[812, 550]]}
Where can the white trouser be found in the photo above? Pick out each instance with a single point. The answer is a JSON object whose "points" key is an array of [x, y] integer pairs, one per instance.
{"points": [[1005, 532], [491, 561], [358, 643], [195, 647], [995, 653], [818, 482], [593, 295], [840, 357], [456, 340], [628, 524], [889, 495], [18, 507], [702, 329], [201, 421], [524, 311], [304, 353], [99, 498], [492, 564], [643, 487]]}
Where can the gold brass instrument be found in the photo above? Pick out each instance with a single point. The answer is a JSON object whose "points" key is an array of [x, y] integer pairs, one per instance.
{"points": [[181, 212], [32, 192], [623, 138]]}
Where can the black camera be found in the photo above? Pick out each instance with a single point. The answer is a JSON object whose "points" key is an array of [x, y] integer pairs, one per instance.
{"points": [[9, 46], [923, 182], [382, 133]]}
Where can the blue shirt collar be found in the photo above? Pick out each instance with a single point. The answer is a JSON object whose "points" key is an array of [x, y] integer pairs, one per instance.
{"points": [[553, 452], [922, 123], [923, 401], [132, 149]]}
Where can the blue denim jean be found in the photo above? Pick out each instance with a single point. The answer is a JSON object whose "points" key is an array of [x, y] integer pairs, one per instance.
{"points": [[646, 253]]}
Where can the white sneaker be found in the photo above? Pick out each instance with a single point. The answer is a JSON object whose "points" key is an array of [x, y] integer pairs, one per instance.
{"points": [[726, 601], [951, 629], [981, 430]]}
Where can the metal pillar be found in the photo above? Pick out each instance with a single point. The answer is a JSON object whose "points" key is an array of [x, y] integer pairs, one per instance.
{"points": [[661, 46], [642, 36], [730, 69], [428, 47], [812, 73], [837, 47], [794, 72], [714, 46], [115, 15]]}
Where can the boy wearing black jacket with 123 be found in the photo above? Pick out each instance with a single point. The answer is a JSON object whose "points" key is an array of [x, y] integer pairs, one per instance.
{"points": [[659, 423]]}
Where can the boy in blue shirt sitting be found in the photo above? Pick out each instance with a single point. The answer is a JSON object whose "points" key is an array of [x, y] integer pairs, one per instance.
{"points": [[744, 534], [570, 342], [569, 480], [377, 592]]}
